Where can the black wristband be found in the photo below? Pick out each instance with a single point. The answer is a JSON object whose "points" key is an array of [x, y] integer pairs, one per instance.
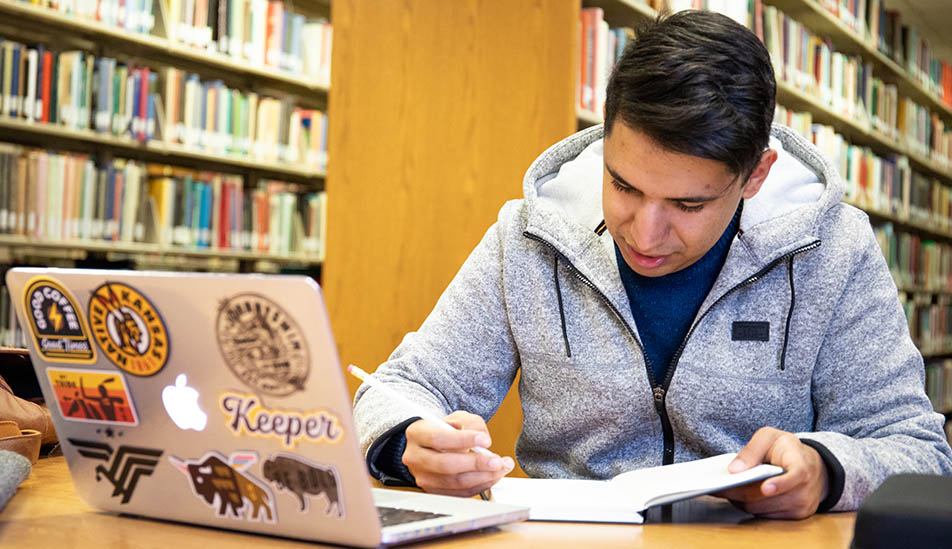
{"points": [[835, 472], [385, 456]]}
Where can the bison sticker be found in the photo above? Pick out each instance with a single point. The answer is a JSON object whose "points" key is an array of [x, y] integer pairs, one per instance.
{"points": [[305, 480], [226, 485]]}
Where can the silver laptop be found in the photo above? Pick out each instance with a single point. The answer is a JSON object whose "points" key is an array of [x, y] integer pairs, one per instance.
{"points": [[217, 400]]}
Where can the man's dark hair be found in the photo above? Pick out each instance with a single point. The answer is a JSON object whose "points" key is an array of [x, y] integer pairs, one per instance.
{"points": [[696, 83]]}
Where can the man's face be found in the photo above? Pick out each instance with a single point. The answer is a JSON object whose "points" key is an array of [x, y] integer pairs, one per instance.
{"points": [[665, 210]]}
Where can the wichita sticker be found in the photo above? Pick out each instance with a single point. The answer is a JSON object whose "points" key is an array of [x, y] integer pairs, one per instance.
{"points": [[99, 396], [306, 480], [262, 345], [122, 468], [56, 324], [128, 329]]}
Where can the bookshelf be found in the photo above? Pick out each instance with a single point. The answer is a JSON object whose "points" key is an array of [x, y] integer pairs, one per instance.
{"points": [[65, 27], [928, 305]]}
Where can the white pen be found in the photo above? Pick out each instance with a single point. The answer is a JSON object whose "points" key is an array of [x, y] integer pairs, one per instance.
{"points": [[417, 409]]}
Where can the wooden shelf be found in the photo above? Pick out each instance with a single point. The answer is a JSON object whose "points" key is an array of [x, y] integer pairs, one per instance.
{"points": [[854, 132], [13, 241], [922, 290], [155, 47], [626, 13], [20, 131], [918, 226], [824, 23]]}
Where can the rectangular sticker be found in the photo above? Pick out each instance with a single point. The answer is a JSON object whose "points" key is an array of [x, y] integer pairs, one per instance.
{"points": [[99, 396]]}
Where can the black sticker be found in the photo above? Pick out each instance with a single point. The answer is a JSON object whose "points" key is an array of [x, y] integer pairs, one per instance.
{"points": [[125, 466], [305, 479], [750, 331]]}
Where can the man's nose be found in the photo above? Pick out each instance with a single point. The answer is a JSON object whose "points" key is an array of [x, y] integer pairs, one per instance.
{"points": [[649, 228]]}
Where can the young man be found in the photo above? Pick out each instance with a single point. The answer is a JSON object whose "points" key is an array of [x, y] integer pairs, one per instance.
{"points": [[686, 284]]}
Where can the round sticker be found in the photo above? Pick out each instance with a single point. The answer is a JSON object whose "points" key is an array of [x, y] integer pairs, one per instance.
{"points": [[262, 345], [128, 329]]}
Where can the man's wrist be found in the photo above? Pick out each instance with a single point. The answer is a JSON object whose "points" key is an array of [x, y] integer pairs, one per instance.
{"points": [[835, 476]]}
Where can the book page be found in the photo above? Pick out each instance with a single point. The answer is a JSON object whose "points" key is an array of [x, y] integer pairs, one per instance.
{"points": [[572, 500], [670, 483]]}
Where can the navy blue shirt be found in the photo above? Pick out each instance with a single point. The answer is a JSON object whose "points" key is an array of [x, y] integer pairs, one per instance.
{"points": [[665, 306]]}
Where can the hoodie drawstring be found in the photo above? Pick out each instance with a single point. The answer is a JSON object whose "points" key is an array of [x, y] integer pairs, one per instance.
{"points": [[558, 292], [786, 329]]}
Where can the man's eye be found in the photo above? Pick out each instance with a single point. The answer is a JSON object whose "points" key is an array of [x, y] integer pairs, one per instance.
{"points": [[687, 208], [620, 187]]}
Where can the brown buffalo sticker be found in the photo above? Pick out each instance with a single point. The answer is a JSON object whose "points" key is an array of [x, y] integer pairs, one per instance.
{"points": [[305, 479], [227, 485]]}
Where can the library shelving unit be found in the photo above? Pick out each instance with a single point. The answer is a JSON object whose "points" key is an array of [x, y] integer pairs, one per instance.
{"points": [[30, 23], [818, 20]]}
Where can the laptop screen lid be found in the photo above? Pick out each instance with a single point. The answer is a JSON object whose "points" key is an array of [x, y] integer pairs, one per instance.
{"points": [[203, 398]]}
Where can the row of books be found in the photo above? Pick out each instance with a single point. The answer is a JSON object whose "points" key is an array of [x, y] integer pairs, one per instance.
{"points": [[939, 384], [882, 28], [881, 184], [266, 33], [213, 117], [80, 91], [10, 333], [846, 85], [930, 322], [914, 261], [77, 90], [600, 47], [132, 15], [216, 211], [63, 197]]}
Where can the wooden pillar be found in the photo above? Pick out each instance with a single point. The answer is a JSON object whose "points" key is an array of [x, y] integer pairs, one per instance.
{"points": [[437, 108]]}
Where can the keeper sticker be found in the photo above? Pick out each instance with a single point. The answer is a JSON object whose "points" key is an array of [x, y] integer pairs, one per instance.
{"points": [[56, 323], [99, 396], [128, 329]]}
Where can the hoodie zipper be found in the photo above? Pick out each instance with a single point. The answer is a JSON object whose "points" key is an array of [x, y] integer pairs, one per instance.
{"points": [[660, 391]]}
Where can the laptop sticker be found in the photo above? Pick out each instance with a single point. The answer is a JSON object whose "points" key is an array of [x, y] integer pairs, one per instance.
{"points": [[305, 480], [228, 487], [128, 329], [262, 345], [99, 396], [246, 416], [56, 323], [123, 467]]}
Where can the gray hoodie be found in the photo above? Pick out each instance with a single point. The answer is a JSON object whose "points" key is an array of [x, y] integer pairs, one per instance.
{"points": [[829, 357]]}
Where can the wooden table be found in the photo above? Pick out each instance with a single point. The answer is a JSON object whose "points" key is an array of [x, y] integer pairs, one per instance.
{"points": [[46, 512]]}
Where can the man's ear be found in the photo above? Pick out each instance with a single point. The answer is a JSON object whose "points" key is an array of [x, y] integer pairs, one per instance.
{"points": [[759, 175]]}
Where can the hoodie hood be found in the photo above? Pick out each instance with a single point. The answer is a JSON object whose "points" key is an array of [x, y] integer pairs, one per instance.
{"points": [[565, 183]]}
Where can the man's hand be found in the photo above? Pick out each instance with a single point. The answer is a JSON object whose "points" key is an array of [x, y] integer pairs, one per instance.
{"points": [[795, 494], [440, 459]]}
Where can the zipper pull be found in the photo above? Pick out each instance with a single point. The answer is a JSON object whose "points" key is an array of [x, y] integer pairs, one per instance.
{"points": [[658, 398]]}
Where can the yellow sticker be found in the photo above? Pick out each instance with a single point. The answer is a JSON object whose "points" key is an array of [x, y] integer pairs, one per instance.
{"points": [[128, 329], [56, 323]]}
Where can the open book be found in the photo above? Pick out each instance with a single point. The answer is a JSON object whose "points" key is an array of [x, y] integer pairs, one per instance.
{"points": [[621, 498]]}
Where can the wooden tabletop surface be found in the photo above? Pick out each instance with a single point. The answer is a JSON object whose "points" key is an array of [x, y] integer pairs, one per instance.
{"points": [[47, 512]]}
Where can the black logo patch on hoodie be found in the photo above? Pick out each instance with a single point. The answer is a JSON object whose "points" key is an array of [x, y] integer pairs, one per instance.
{"points": [[750, 331]]}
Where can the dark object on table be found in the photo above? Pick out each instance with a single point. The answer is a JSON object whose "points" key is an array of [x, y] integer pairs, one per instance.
{"points": [[908, 511]]}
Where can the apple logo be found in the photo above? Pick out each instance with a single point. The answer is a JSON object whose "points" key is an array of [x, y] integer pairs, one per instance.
{"points": [[181, 403]]}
